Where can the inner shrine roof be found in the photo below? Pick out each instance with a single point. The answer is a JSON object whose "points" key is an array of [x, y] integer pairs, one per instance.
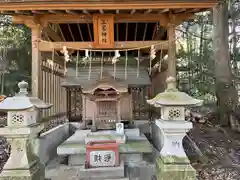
{"points": [[133, 79]]}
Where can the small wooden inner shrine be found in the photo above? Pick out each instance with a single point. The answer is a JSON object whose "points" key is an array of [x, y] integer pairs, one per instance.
{"points": [[106, 96], [107, 101]]}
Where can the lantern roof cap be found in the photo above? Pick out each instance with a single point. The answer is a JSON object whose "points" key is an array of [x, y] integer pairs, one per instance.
{"points": [[173, 97], [22, 101]]}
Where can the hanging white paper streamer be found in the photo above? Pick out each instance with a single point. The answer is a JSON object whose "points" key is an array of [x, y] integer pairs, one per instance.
{"points": [[138, 62], [126, 63], [86, 58], [77, 64], [114, 70], [102, 65], [152, 56], [114, 61], [150, 67], [66, 58], [65, 53], [160, 62], [116, 57], [51, 62], [90, 66]]}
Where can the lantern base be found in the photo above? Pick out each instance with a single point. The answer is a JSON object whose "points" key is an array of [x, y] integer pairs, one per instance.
{"points": [[173, 170], [34, 173]]}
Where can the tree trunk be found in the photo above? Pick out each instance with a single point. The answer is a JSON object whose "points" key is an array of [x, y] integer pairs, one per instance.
{"points": [[225, 89]]}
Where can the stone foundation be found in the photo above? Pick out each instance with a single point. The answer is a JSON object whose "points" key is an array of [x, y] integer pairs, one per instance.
{"points": [[35, 173], [167, 170]]}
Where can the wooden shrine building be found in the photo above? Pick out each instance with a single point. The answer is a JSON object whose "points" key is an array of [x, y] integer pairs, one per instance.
{"points": [[94, 30]]}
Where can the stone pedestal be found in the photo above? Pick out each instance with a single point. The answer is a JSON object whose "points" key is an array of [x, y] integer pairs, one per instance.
{"points": [[174, 170], [21, 132], [171, 128], [23, 162], [173, 163]]}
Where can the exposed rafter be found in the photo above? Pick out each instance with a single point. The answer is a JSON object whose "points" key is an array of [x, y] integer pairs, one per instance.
{"points": [[163, 11], [148, 11], [85, 12], [80, 32], [133, 11], [72, 12], [52, 34], [70, 30]]}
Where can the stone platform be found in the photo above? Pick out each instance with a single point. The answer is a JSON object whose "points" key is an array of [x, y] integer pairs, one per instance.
{"points": [[144, 170], [130, 151]]}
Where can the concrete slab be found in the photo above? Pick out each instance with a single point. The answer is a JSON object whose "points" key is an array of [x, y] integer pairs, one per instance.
{"points": [[133, 145]]}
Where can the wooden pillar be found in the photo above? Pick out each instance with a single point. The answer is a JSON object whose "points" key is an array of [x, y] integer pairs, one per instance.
{"points": [[171, 50], [36, 61]]}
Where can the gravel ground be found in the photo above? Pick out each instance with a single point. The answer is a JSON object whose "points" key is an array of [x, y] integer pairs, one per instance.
{"points": [[220, 148]]}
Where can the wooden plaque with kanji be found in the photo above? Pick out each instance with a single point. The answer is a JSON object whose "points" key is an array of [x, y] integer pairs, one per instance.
{"points": [[103, 31]]}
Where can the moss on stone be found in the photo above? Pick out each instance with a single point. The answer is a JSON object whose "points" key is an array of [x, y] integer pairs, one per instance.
{"points": [[174, 171], [136, 146], [174, 159]]}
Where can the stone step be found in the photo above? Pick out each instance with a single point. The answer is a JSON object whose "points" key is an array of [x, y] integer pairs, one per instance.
{"points": [[102, 173]]}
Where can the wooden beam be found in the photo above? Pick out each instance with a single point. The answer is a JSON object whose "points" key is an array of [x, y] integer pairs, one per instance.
{"points": [[29, 21], [66, 18], [52, 34], [177, 19], [46, 46], [93, 5], [83, 18], [36, 56]]}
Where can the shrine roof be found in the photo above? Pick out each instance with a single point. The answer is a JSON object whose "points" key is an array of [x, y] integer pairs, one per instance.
{"points": [[82, 80], [28, 7]]}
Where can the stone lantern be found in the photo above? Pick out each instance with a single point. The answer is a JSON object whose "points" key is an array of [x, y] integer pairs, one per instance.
{"points": [[21, 132], [170, 130]]}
